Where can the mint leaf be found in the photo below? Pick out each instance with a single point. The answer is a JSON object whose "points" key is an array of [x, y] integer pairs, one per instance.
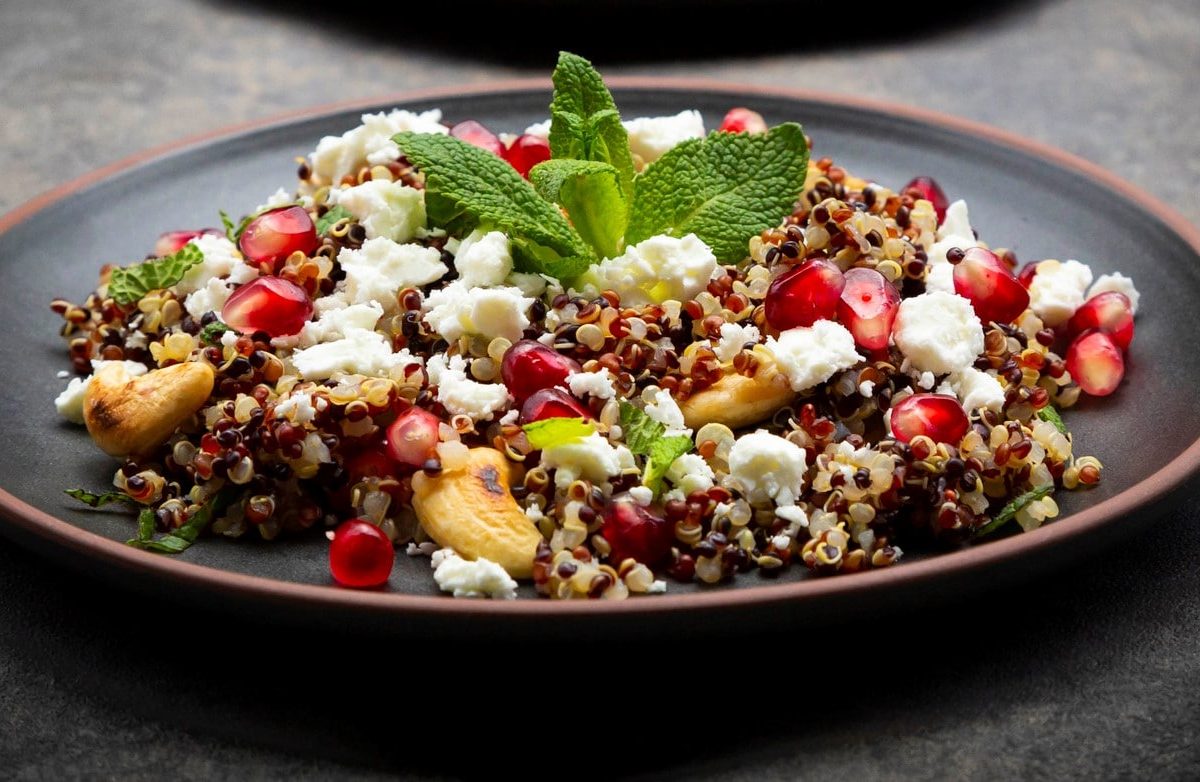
{"points": [[211, 334], [331, 218], [1009, 511], [639, 430], [556, 431], [591, 193], [133, 282], [234, 232], [180, 539], [663, 453], [98, 500], [1050, 413], [724, 188], [467, 186], [585, 123]]}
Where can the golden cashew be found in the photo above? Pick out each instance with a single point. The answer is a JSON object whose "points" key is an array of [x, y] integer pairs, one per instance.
{"points": [[738, 401], [131, 416], [471, 510]]}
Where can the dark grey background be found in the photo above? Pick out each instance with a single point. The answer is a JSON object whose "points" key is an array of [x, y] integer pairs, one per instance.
{"points": [[1091, 673]]}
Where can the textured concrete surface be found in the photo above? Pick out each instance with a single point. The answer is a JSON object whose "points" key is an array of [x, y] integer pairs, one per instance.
{"points": [[1094, 673]]}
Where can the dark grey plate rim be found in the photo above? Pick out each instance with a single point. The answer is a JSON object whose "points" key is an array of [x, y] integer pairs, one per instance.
{"points": [[54, 533]]}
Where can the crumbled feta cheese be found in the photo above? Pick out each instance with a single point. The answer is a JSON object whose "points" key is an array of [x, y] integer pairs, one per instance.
{"points": [[1115, 282], [655, 270], [483, 259], [369, 143], [866, 388], [333, 323], [298, 408], [277, 199], [69, 403], [794, 514], [955, 231], [691, 473], [210, 298], [926, 381], [938, 332], [461, 395], [388, 209], [463, 578], [809, 355], [734, 337], [597, 384], [642, 495], [591, 457], [381, 268], [511, 417], [229, 338], [533, 285], [541, 129], [975, 389], [663, 408], [358, 352], [456, 310], [1058, 289], [221, 259], [768, 467], [651, 137]]}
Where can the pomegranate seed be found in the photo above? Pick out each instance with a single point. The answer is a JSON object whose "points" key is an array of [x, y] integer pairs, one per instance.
{"points": [[1027, 273], [868, 307], [526, 152], [1109, 312], [413, 437], [928, 188], [552, 403], [530, 366], [986, 281], [173, 241], [272, 236], [475, 134], [269, 304], [1095, 363], [937, 416], [360, 556], [634, 531], [743, 120], [804, 295]]}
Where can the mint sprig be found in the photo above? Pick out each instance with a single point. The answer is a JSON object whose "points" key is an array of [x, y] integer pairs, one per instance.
{"points": [[1009, 511], [1050, 413], [724, 188], [331, 218], [645, 437], [211, 334], [550, 432], [590, 191], [94, 500], [131, 283], [180, 539]]}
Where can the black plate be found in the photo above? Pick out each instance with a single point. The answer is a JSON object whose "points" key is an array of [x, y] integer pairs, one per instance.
{"points": [[1039, 202]]}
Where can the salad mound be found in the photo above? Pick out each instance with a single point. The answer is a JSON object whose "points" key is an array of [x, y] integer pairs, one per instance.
{"points": [[601, 356]]}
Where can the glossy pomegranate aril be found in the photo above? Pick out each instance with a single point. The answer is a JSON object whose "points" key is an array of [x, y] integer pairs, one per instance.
{"points": [[804, 295], [475, 134], [526, 152], [868, 307], [274, 235], [529, 366], [269, 304], [413, 437], [634, 531], [985, 280], [1109, 312], [927, 188], [743, 120], [936, 416], [1095, 363], [1026, 275], [360, 555], [173, 241], [552, 403]]}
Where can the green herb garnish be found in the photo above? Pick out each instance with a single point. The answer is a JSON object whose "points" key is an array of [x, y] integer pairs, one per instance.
{"points": [[94, 500], [131, 283], [591, 193], [1009, 511], [234, 232], [180, 539], [645, 437], [550, 432], [211, 334], [331, 218], [1051, 414]]}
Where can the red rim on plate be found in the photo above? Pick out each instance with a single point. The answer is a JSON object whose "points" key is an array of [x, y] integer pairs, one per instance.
{"points": [[1148, 492]]}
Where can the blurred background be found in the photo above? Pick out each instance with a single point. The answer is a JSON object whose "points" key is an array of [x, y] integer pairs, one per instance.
{"points": [[1094, 672]]}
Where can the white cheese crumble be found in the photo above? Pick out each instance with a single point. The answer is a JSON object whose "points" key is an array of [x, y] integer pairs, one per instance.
{"points": [[642, 495], [335, 321], [663, 408], [277, 199], [794, 514], [389, 209], [381, 268], [1115, 282], [652, 137], [809, 355], [768, 467], [734, 337], [462, 578], [69, 403], [369, 143], [359, 352], [974, 389], [1058, 289], [597, 384], [938, 332], [298, 408], [221, 259], [691, 473], [484, 259], [591, 457], [540, 129], [955, 231], [655, 270], [461, 395], [456, 310]]}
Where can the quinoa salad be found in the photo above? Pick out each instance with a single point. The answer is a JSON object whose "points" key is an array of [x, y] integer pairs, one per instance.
{"points": [[601, 356]]}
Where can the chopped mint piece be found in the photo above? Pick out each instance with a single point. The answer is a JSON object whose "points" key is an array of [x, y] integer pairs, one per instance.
{"points": [[180, 539], [591, 193], [1051, 414], [1009, 511], [131, 283], [639, 430], [331, 218], [466, 186], [211, 334], [724, 188], [556, 431], [234, 232], [98, 500], [663, 453]]}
